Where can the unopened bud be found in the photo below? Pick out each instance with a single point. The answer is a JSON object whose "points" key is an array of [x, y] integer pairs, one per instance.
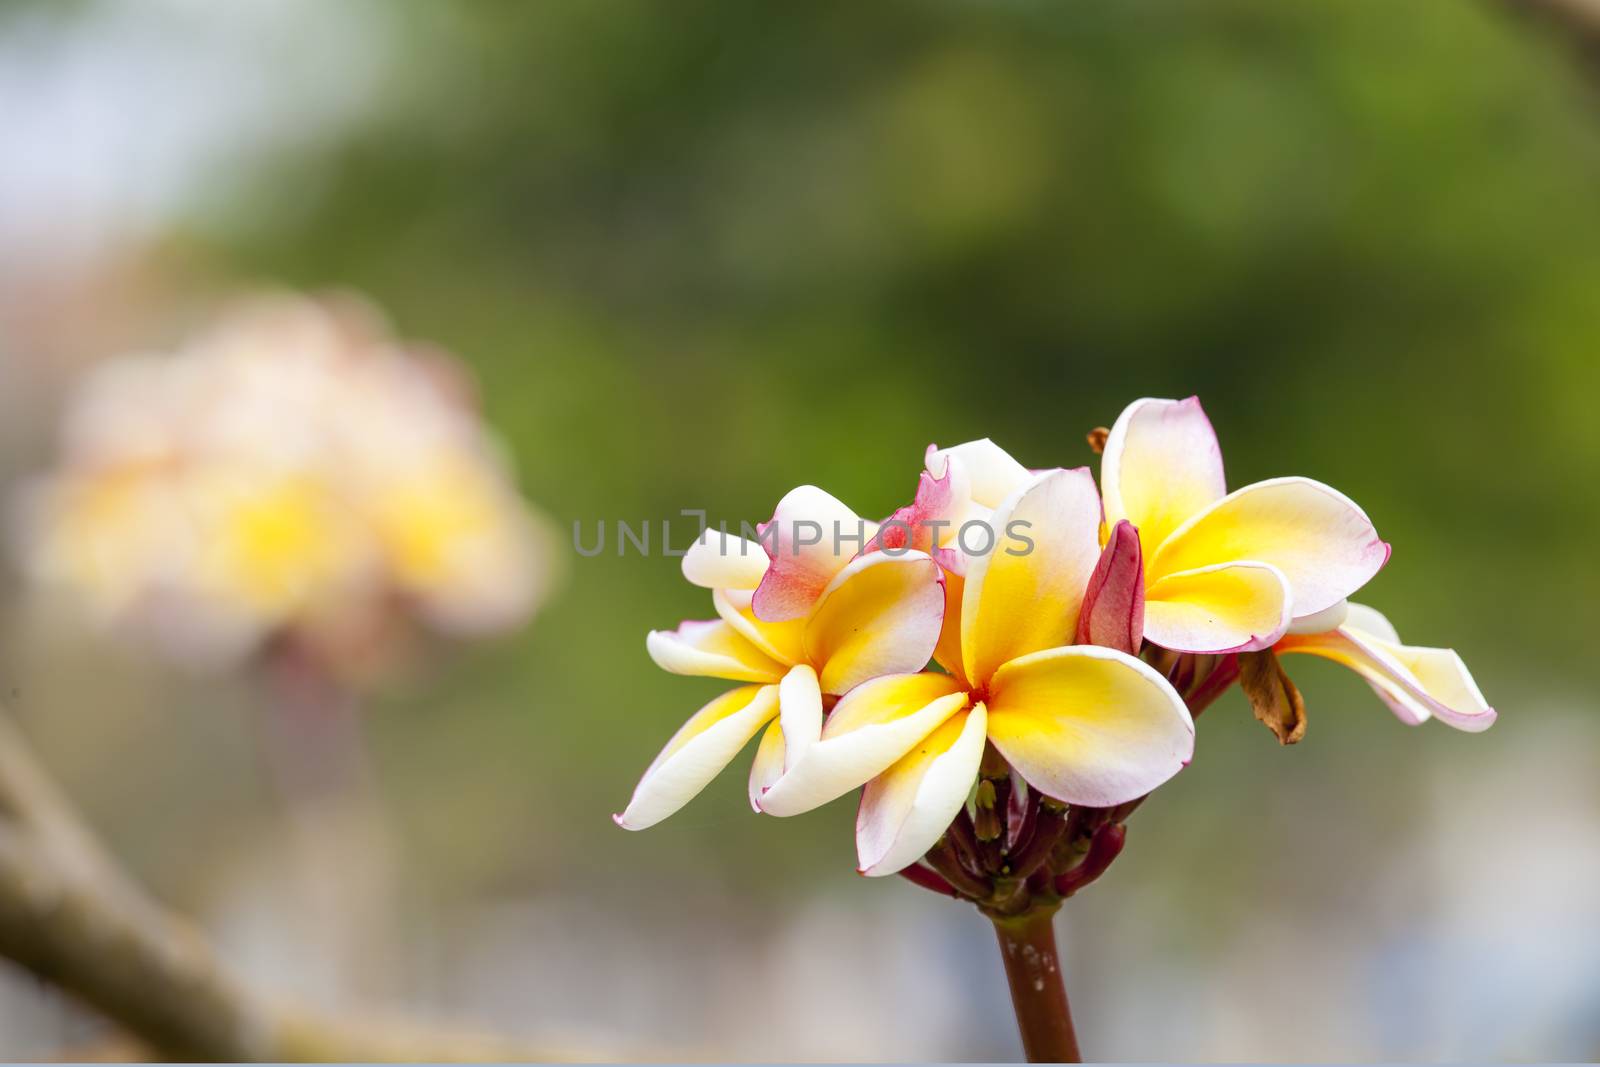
{"points": [[1112, 614], [985, 819]]}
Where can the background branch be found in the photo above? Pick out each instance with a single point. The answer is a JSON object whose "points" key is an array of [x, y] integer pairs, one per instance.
{"points": [[70, 915], [1579, 18]]}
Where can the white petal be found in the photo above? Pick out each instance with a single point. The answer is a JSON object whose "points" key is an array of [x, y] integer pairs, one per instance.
{"points": [[872, 727], [697, 753], [724, 561], [711, 648], [906, 809]]}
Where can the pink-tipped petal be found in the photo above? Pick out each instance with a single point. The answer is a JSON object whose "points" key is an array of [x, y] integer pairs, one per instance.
{"points": [[697, 753], [1113, 605], [920, 523], [1161, 465], [1416, 683], [908, 807], [810, 538], [988, 470]]}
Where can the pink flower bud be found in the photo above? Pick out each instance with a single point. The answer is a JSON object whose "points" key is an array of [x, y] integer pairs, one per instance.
{"points": [[1113, 606]]}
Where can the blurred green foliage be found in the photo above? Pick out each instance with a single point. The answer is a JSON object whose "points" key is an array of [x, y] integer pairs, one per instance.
{"points": [[702, 252]]}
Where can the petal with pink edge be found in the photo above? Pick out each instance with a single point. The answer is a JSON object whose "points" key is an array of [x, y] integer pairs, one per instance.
{"points": [[1161, 465], [714, 649], [881, 615], [781, 641], [1229, 607], [697, 753], [868, 731], [906, 809], [1416, 683], [719, 560], [1024, 595], [922, 524], [809, 539], [988, 472], [1322, 542], [1089, 725]]}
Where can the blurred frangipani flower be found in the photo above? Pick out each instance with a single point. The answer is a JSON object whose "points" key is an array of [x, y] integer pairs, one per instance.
{"points": [[1004, 706], [292, 471]]}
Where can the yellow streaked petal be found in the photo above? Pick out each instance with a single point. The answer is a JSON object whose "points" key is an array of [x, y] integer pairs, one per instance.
{"points": [[948, 652], [1089, 725], [698, 752], [1021, 599], [781, 641], [1416, 683], [711, 648], [1230, 607], [1161, 465], [873, 726], [1322, 542], [905, 809], [720, 560], [881, 615]]}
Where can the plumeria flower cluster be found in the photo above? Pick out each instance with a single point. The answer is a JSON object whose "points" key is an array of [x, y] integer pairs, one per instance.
{"points": [[1003, 700], [293, 471]]}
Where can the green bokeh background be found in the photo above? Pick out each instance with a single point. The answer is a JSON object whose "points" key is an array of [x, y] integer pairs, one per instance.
{"points": [[698, 253]]}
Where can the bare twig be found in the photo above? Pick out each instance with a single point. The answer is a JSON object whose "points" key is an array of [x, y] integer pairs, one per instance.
{"points": [[69, 915]]}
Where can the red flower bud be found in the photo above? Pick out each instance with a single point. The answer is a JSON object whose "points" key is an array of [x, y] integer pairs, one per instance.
{"points": [[1113, 606]]}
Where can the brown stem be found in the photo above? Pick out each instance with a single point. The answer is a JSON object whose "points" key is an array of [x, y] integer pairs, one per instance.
{"points": [[1033, 970], [71, 916]]}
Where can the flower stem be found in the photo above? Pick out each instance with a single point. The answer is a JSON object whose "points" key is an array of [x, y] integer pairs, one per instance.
{"points": [[1033, 969]]}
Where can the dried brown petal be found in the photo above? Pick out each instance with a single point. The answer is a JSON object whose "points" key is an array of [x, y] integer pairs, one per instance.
{"points": [[1097, 439], [1273, 697]]}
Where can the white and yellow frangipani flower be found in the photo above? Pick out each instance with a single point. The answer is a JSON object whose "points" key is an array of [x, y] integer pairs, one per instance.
{"points": [[1416, 683], [1227, 572], [872, 614], [1085, 724], [291, 469]]}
